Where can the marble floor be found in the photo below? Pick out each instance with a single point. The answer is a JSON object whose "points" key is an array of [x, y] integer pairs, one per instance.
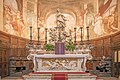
{"points": [[20, 78]]}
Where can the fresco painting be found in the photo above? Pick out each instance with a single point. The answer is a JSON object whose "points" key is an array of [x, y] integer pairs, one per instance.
{"points": [[13, 21], [108, 12], [102, 22]]}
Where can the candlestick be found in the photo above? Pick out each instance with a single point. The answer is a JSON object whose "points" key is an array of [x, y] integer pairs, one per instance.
{"points": [[70, 35], [31, 35], [75, 37], [45, 35], [88, 35], [38, 36], [81, 42]]}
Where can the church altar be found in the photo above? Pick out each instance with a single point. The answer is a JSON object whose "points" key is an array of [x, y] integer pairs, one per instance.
{"points": [[59, 63]]}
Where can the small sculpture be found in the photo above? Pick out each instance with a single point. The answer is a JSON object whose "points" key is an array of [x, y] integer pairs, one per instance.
{"points": [[60, 19]]}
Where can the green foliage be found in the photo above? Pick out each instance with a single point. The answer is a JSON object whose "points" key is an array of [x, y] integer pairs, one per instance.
{"points": [[49, 47], [70, 47]]}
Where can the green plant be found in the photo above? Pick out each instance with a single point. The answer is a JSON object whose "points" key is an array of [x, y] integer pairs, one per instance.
{"points": [[70, 47], [49, 47]]}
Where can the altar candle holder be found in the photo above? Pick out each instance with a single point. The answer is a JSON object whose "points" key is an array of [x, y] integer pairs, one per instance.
{"points": [[81, 37], [70, 35], [38, 36], [38, 44], [45, 35], [88, 41], [31, 43], [75, 36]]}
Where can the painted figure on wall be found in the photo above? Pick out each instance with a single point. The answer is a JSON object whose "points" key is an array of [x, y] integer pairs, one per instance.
{"points": [[18, 23], [112, 22], [98, 26], [102, 21], [105, 21], [13, 22], [90, 20], [90, 15], [109, 15], [82, 14], [42, 28], [7, 20]]}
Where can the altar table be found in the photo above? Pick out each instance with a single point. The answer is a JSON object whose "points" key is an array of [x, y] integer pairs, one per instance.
{"points": [[59, 63]]}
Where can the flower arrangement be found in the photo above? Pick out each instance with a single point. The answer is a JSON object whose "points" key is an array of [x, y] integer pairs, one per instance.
{"points": [[49, 47], [70, 47]]}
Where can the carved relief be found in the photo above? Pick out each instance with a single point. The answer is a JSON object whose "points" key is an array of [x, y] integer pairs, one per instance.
{"points": [[61, 64]]}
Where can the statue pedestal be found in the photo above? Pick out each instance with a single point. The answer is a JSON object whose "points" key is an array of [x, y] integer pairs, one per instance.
{"points": [[59, 48]]}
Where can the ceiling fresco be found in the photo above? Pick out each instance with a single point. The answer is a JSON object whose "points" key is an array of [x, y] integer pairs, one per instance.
{"points": [[99, 15]]}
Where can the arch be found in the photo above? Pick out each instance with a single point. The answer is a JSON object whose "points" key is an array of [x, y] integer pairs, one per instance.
{"points": [[52, 10]]}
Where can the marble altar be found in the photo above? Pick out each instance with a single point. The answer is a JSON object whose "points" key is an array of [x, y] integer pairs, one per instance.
{"points": [[59, 63]]}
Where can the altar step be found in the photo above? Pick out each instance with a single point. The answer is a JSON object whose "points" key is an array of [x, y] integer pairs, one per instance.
{"points": [[20, 78], [60, 76], [82, 77], [33, 76]]}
